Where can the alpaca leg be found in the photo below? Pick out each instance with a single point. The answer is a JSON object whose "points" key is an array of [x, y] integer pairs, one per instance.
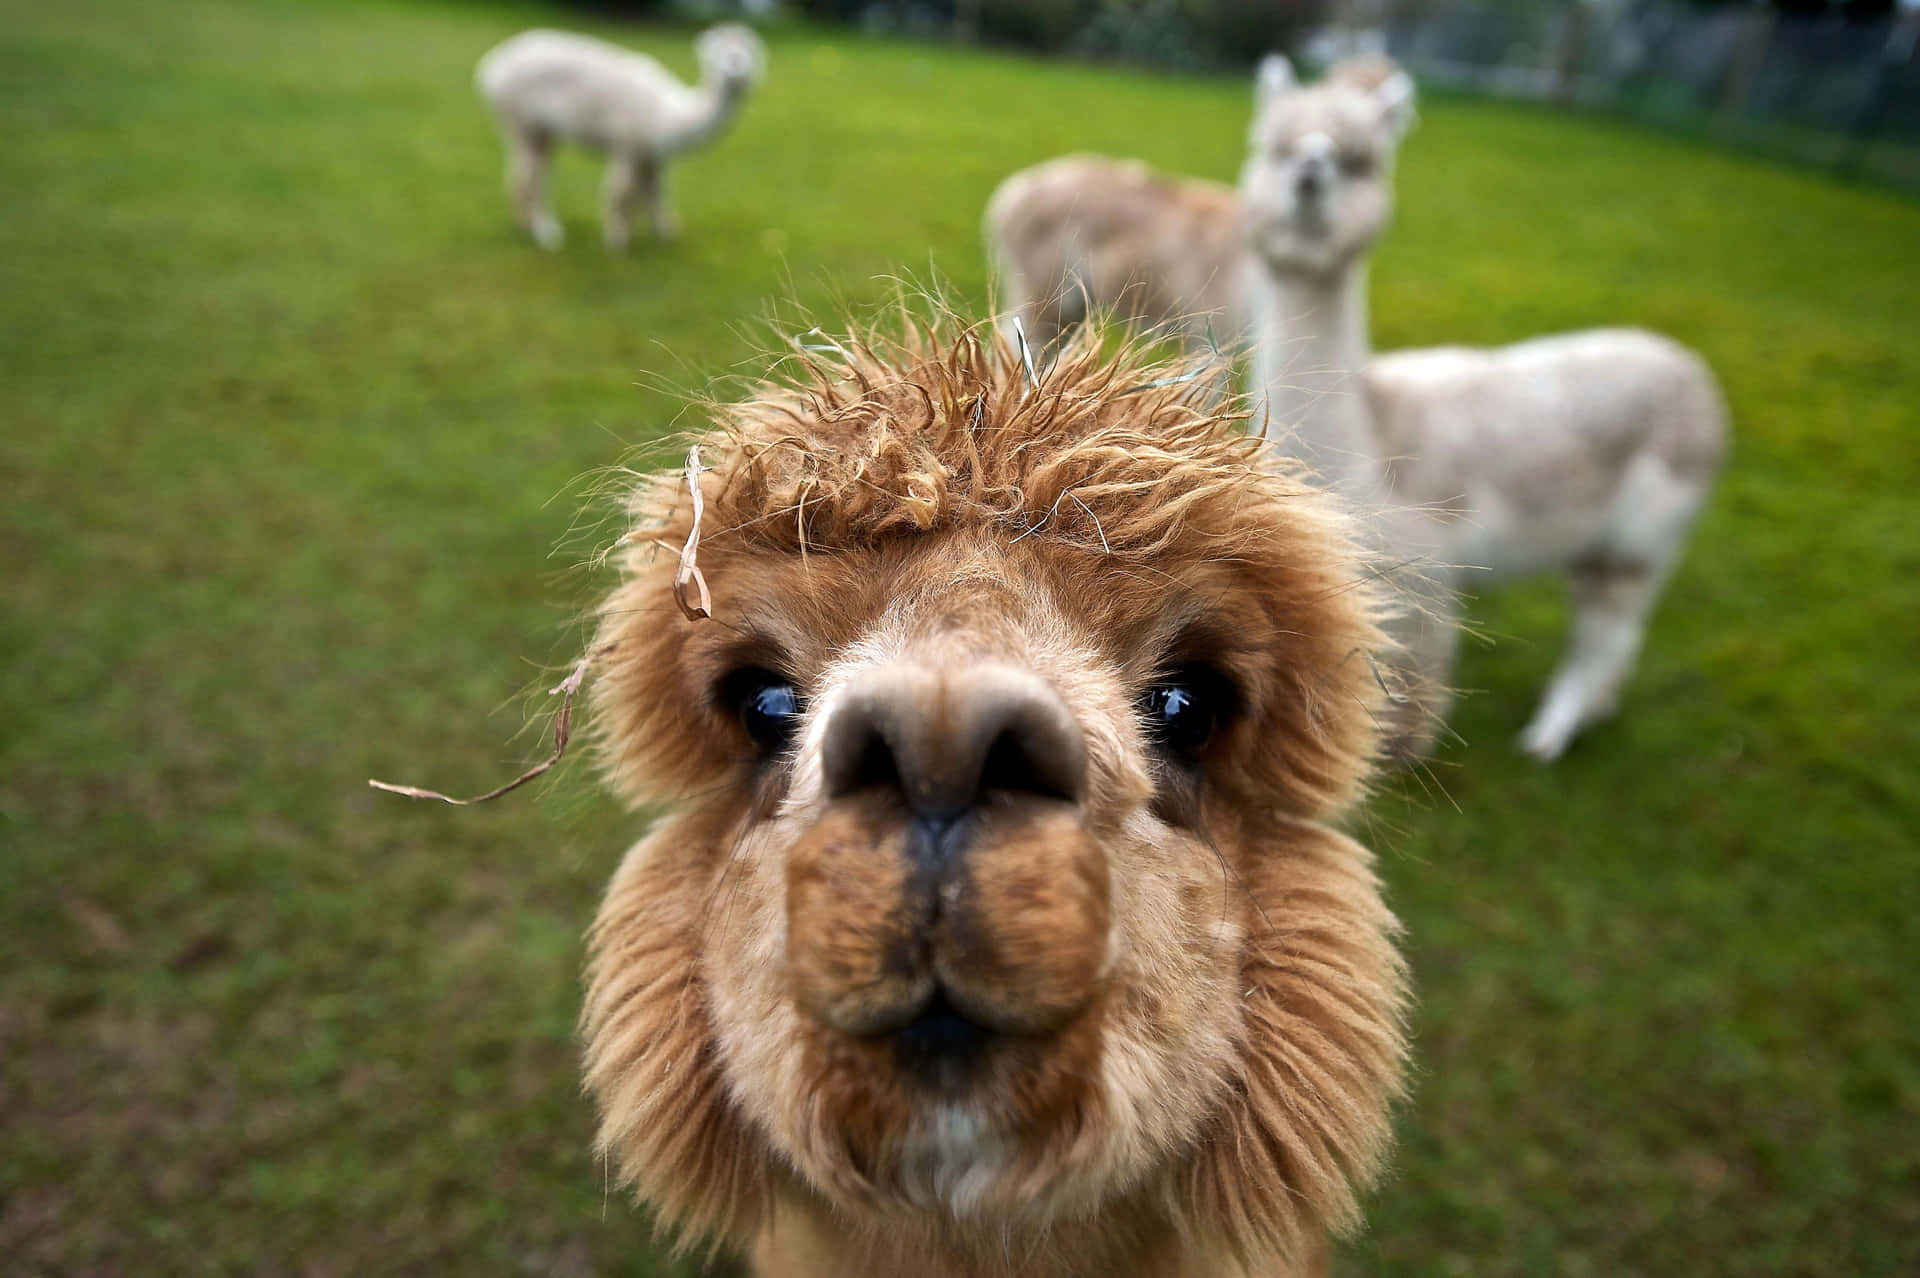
{"points": [[1044, 322], [653, 180], [1043, 330], [1045, 316], [528, 154], [1201, 335], [1061, 313], [622, 183], [1420, 679], [1611, 601], [1613, 593]]}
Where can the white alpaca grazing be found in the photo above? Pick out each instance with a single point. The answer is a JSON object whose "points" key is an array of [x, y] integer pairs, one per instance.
{"points": [[1085, 234], [548, 86], [1588, 453]]}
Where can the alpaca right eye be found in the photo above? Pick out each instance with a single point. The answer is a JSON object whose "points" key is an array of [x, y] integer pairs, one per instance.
{"points": [[767, 705], [1185, 711]]}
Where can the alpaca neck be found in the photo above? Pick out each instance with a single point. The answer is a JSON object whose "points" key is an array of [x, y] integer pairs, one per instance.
{"points": [[807, 1240], [1311, 349], [704, 115]]}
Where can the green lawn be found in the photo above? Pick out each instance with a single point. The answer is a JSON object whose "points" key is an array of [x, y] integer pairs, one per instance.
{"points": [[295, 435]]}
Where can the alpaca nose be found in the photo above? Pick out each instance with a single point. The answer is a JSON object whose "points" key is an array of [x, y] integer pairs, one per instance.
{"points": [[947, 742], [1316, 165]]}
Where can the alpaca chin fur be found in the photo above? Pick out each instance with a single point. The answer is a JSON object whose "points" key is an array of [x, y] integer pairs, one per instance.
{"points": [[1219, 1096]]}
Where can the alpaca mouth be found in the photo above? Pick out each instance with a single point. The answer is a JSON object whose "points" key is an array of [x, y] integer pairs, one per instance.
{"points": [[1310, 218], [940, 1046], [936, 940]]}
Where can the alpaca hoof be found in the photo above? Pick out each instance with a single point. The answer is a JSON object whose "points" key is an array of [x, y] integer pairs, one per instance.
{"points": [[1544, 742], [549, 236]]}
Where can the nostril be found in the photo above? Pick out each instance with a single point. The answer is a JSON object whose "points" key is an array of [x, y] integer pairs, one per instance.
{"points": [[856, 752], [1012, 765], [875, 768], [1007, 766]]}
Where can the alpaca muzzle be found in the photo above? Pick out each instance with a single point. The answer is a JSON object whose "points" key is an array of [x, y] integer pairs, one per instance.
{"points": [[949, 893]]}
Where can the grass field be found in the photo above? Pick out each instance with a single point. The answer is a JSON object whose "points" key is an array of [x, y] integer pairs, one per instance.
{"points": [[292, 438]]}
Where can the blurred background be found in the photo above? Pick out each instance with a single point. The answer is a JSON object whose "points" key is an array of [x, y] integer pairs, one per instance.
{"points": [[1832, 84], [303, 443]]}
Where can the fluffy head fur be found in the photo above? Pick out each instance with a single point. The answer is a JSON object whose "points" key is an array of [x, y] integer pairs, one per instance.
{"points": [[1184, 987]]}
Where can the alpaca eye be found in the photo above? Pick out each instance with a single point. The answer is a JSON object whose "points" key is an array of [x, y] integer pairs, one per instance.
{"points": [[1184, 711], [768, 707], [1355, 163]]}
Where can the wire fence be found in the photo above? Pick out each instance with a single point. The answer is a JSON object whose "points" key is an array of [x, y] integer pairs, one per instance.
{"points": [[1836, 89], [1828, 90]]}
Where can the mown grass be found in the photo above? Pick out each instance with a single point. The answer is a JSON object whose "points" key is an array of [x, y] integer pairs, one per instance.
{"points": [[293, 424]]}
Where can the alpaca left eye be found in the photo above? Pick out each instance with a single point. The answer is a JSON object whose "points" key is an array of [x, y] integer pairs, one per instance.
{"points": [[1184, 711], [768, 707]]}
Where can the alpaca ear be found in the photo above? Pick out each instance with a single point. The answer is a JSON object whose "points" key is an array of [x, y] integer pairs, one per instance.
{"points": [[1274, 77], [1395, 98]]}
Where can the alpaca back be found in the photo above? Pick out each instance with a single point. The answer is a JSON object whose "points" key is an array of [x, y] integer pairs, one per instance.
{"points": [[576, 87], [1550, 448]]}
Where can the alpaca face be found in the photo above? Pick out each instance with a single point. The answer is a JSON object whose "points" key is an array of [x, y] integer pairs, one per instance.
{"points": [[1317, 186], [731, 56], [976, 830], [978, 951]]}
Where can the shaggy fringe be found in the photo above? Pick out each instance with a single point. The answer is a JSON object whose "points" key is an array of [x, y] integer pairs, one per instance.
{"points": [[941, 423], [932, 424]]}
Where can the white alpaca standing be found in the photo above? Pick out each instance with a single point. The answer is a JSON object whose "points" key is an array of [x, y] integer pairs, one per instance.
{"points": [[546, 86], [1588, 453]]}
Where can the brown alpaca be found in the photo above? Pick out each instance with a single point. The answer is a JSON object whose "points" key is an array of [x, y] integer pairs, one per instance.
{"points": [[993, 928]]}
